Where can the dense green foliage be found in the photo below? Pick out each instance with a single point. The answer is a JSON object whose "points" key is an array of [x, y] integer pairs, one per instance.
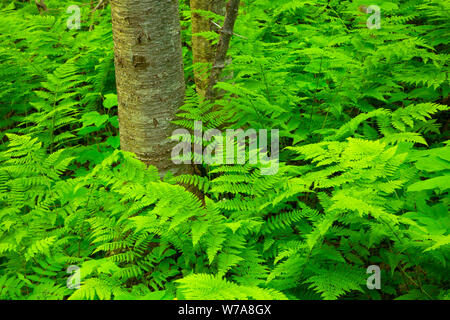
{"points": [[364, 161]]}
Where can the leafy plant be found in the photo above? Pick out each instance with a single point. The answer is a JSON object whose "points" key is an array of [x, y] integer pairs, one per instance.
{"points": [[363, 177]]}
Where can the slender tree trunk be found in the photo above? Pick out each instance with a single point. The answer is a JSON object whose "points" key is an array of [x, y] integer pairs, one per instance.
{"points": [[203, 50], [149, 77], [41, 6], [226, 33]]}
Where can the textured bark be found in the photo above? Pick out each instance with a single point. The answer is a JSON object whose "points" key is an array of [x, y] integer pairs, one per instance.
{"points": [[222, 48], [149, 78], [203, 51]]}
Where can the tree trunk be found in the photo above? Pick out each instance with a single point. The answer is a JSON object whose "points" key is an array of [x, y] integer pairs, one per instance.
{"points": [[203, 50], [149, 78], [226, 33]]}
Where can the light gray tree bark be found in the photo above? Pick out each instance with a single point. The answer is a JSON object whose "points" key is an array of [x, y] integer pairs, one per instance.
{"points": [[149, 77]]}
